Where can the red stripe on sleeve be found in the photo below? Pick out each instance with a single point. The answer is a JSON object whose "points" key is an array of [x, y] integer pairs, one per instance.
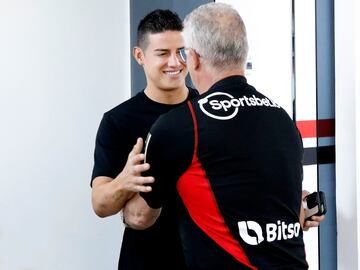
{"points": [[195, 127]]}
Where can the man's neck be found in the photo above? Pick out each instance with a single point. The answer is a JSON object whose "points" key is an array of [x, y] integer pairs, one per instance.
{"points": [[218, 76], [173, 96], [210, 77]]}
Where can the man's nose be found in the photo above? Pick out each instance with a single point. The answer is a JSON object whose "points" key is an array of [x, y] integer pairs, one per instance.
{"points": [[174, 60]]}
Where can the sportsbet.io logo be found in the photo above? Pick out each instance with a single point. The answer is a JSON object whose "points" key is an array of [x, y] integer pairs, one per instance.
{"points": [[223, 106], [252, 234]]}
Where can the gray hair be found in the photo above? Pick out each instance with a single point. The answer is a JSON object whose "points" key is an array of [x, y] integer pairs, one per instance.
{"points": [[217, 33]]}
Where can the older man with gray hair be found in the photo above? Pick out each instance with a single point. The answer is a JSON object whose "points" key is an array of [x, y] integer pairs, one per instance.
{"points": [[230, 161], [215, 36]]}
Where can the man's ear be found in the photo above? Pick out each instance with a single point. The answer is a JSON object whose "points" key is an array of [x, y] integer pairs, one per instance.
{"points": [[138, 55], [195, 58]]}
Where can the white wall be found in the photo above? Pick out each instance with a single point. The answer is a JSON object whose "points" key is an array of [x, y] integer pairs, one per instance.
{"points": [[62, 64], [270, 60], [347, 103]]}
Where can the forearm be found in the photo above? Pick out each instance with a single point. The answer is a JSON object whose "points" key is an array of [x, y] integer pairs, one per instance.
{"points": [[138, 215], [109, 196]]}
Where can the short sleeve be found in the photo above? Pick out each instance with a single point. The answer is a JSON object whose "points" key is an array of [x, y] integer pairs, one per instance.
{"points": [[111, 149]]}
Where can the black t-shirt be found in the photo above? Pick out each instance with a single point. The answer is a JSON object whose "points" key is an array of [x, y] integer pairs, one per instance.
{"points": [[235, 158], [117, 134]]}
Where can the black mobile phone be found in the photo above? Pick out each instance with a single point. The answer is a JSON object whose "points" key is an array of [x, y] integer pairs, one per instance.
{"points": [[314, 204]]}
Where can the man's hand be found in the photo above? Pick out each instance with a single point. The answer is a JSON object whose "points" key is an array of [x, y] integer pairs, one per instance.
{"points": [[110, 195], [315, 220], [130, 177]]}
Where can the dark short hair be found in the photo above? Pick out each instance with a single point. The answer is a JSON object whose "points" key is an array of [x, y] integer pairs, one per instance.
{"points": [[157, 21]]}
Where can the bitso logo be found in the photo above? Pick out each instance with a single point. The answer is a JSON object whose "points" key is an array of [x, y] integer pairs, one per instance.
{"points": [[223, 106], [274, 231], [245, 226]]}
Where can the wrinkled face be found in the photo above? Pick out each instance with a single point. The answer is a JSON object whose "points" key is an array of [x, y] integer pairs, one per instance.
{"points": [[161, 61]]}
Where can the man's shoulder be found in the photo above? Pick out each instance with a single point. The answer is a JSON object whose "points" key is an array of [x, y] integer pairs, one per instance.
{"points": [[174, 120], [126, 107]]}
